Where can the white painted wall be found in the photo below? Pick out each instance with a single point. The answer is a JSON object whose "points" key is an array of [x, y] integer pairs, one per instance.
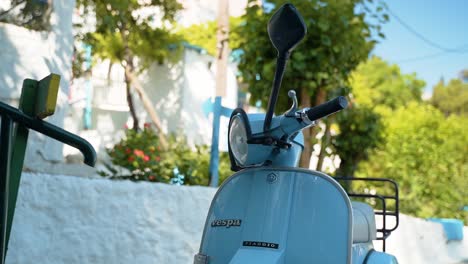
{"points": [[63, 219], [66, 220], [31, 54], [177, 90], [419, 241]]}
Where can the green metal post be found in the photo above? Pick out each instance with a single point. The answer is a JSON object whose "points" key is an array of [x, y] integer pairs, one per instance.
{"points": [[5, 158], [38, 99]]}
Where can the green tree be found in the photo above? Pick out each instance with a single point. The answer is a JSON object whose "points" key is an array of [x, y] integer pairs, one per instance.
{"points": [[376, 83], [340, 35], [204, 34], [130, 30], [464, 75], [451, 98], [376, 87], [31, 14], [359, 133], [426, 154]]}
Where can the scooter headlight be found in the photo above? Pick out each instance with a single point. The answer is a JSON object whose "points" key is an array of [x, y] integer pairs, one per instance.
{"points": [[243, 151], [238, 139], [238, 135]]}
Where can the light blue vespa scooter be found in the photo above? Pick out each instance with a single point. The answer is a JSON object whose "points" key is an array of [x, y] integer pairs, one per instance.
{"points": [[270, 211]]}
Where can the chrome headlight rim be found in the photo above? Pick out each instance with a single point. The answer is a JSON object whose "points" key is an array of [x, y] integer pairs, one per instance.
{"points": [[241, 115]]}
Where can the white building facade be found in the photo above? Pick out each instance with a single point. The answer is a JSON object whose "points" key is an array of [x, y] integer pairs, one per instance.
{"points": [[177, 90]]}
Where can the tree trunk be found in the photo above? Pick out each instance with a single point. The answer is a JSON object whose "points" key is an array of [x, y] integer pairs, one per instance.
{"points": [[323, 146], [348, 167], [320, 97], [307, 152], [310, 133], [346, 170], [128, 82], [130, 77], [147, 104], [131, 106], [109, 72]]}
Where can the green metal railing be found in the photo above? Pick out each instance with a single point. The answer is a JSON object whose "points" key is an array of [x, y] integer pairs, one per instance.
{"points": [[38, 100]]}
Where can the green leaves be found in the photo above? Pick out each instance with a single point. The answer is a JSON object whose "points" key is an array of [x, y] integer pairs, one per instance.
{"points": [[336, 42], [377, 83], [339, 38], [204, 35], [412, 142], [386, 17], [389, 132], [109, 46], [122, 27], [360, 131], [33, 15], [323, 25], [451, 98], [141, 155], [426, 154], [326, 40]]}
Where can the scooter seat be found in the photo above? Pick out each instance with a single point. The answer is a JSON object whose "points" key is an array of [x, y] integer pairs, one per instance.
{"points": [[364, 229]]}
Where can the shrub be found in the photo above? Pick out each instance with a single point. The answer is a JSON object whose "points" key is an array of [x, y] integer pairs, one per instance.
{"points": [[140, 153]]}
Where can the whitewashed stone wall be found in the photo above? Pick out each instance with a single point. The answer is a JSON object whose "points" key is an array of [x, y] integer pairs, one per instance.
{"points": [[67, 220], [64, 219], [419, 241]]}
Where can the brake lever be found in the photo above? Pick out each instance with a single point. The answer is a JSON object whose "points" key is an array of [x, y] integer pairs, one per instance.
{"points": [[292, 111]]}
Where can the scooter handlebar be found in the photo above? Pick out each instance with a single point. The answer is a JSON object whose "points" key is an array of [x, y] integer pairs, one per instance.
{"points": [[327, 108]]}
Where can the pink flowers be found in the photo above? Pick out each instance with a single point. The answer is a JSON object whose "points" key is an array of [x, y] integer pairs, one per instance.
{"points": [[139, 153]]}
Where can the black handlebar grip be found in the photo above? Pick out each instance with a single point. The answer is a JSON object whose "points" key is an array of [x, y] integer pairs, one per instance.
{"points": [[327, 108]]}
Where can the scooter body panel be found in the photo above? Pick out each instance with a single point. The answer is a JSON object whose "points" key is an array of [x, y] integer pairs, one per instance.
{"points": [[361, 251], [283, 215], [381, 258]]}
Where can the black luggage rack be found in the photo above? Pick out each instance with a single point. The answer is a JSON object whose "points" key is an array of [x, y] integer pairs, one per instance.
{"points": [[385, 212]]}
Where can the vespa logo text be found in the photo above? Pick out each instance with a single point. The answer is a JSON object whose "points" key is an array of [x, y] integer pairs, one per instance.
{"points": [[226, 223]]}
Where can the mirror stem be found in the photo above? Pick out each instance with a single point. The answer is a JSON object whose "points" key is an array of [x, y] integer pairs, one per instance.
{"points": [[280, 68]]}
